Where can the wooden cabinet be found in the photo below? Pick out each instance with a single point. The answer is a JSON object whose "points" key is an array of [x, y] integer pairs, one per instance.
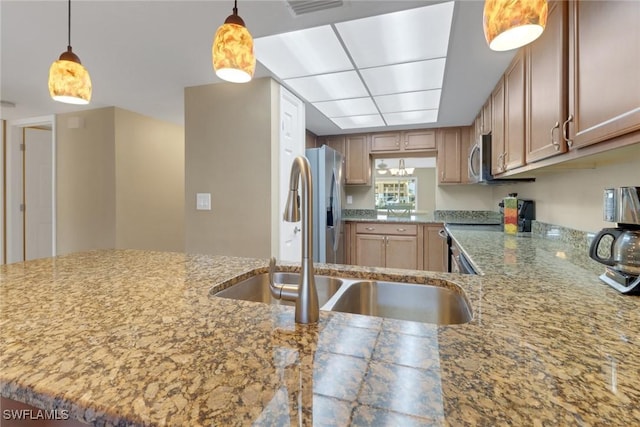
{"points": [[406, 141], [435, 248], [358, 163], [497, 129], [355, 152], [388, 245], [450, 156], [604, 87], [514, 112], [485, 125], [546, 87]]}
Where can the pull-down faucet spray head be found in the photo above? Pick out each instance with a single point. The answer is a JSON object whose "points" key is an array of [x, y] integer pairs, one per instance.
{"points": [[292, 207]]}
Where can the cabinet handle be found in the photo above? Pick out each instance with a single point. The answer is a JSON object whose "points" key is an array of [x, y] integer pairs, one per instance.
{"points": [[401, 229], [504, 161], [442, 233], [369, 228], [555, 144], [565, 130], [386, 240]]}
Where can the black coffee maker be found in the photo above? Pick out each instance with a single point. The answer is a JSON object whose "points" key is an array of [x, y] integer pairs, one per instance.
{"points": [[526, 212]]}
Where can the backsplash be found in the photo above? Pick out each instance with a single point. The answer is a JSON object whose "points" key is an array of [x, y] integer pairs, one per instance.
{"points": [[452, 215], [360, 213]]}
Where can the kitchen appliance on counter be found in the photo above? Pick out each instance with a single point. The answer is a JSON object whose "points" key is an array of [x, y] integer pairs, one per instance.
{"points": [[622, 271], [328, 179], [526, 212], [479, 163]]}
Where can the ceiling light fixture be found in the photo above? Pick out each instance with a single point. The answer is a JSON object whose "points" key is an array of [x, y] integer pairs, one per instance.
{"points": [[69, 81], [510, 24], [232, 51], [402, 171], [382, 168]]}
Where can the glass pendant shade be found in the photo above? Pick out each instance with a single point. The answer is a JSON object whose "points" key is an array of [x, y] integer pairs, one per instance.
{"points": [[510, 24], [69, 81], [232, 51]]}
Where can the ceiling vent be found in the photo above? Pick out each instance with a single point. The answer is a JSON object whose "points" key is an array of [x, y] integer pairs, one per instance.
{"points": [[301, 7]]}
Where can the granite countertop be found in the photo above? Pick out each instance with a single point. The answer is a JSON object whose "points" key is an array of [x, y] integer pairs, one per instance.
{"points": [[455, 217], [134, 338]]}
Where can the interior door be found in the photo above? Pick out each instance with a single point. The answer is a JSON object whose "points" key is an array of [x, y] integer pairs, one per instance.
{"points": [[38, 201], [292, 139]]}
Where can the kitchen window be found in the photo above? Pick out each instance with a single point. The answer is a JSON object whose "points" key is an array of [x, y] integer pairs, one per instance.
{"points": [[396, 195]]}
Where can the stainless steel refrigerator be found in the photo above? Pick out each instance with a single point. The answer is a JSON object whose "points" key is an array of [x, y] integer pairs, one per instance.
{"points": [[327, 175]]}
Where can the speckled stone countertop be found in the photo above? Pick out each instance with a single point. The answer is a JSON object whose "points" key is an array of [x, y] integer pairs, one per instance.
{"points": [[134, 338], [456, 217]]}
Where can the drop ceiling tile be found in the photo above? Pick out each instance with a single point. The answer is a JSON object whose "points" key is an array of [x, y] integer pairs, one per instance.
{"points": [[346, 107], [405, 36], [302, 53], [353, 122], [327, 87], [410, 77], [409, 101], [411, 117]]}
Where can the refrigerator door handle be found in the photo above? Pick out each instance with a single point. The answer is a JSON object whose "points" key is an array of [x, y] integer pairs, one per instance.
{"points": [[337, 209]]}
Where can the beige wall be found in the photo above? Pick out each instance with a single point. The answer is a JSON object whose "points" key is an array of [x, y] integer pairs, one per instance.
{"points": [[426, 189], [85, 181], [149, 183], [465, 197], [573, 198], [120, 182], [228, 137]]}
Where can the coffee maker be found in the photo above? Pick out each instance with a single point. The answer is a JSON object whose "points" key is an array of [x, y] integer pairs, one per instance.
{"points": [[622, 271]]}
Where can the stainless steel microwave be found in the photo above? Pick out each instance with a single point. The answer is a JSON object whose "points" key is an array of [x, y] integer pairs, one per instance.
{"points": [[479, 163]]}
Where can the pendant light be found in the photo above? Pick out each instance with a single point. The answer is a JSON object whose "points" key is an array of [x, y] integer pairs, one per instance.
{"points": [[232, 50], [510, 24], [69, 81]]}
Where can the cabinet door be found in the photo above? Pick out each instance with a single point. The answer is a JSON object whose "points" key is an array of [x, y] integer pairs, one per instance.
{"points": [[485, 127], [497, 128], [358, 163], [604, 88], [401, 252], [514, 112], [466, 142], [546, 87], [435, 249], [335, 142], [449, 155], [370, 250], [419, 140], [388, 141]]}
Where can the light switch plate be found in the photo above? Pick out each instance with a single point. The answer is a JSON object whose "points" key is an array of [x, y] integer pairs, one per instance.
{"points": [[349, 200], [203, 201]]}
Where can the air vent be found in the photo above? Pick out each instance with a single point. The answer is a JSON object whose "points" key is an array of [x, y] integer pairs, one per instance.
{"points": [[300, 7]]}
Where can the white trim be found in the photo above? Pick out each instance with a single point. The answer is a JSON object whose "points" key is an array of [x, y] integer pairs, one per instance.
{"points": [[14, 128]]}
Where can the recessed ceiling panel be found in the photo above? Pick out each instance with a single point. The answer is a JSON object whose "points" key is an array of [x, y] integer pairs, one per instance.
{"points": [[302, 53], [346, 107], [409, 101], [411, 117], [405, 36], [353, 122], [410, 77], [329, 87]]}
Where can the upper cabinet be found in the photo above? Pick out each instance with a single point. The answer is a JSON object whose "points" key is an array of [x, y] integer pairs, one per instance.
{"points": [[406, 141], [546, 87], [514, 114], [485, 114], [358, 163], [497, 129], [604, 70], [453, 150]]}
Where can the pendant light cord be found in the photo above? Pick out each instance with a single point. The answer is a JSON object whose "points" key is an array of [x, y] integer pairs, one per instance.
{"points": [[235, 7], [69, 27]]}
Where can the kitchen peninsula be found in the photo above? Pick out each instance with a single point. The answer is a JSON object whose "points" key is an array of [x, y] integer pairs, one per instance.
{"points": [[134, 337]]}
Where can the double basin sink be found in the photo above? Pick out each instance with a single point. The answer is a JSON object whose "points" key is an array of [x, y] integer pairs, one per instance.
{"points": [[395, 300]]}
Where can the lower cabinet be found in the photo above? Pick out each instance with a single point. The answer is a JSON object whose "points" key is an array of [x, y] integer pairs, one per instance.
{"points": [[436, 252], [388, 245], [393, 245]]}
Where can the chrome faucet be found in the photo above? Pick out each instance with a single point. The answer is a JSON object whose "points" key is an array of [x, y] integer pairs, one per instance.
{"points": [[305, 293]]}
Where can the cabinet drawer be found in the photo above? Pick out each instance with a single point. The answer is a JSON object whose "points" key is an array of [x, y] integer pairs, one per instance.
{"points": [[379, 228]]}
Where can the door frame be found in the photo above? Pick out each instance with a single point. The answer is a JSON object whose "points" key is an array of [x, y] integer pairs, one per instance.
{"points": [[15, 184]]}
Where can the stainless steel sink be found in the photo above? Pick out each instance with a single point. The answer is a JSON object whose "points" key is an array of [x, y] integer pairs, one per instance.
{"points": [[256, 288], [419, 303], [395, 300]]}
